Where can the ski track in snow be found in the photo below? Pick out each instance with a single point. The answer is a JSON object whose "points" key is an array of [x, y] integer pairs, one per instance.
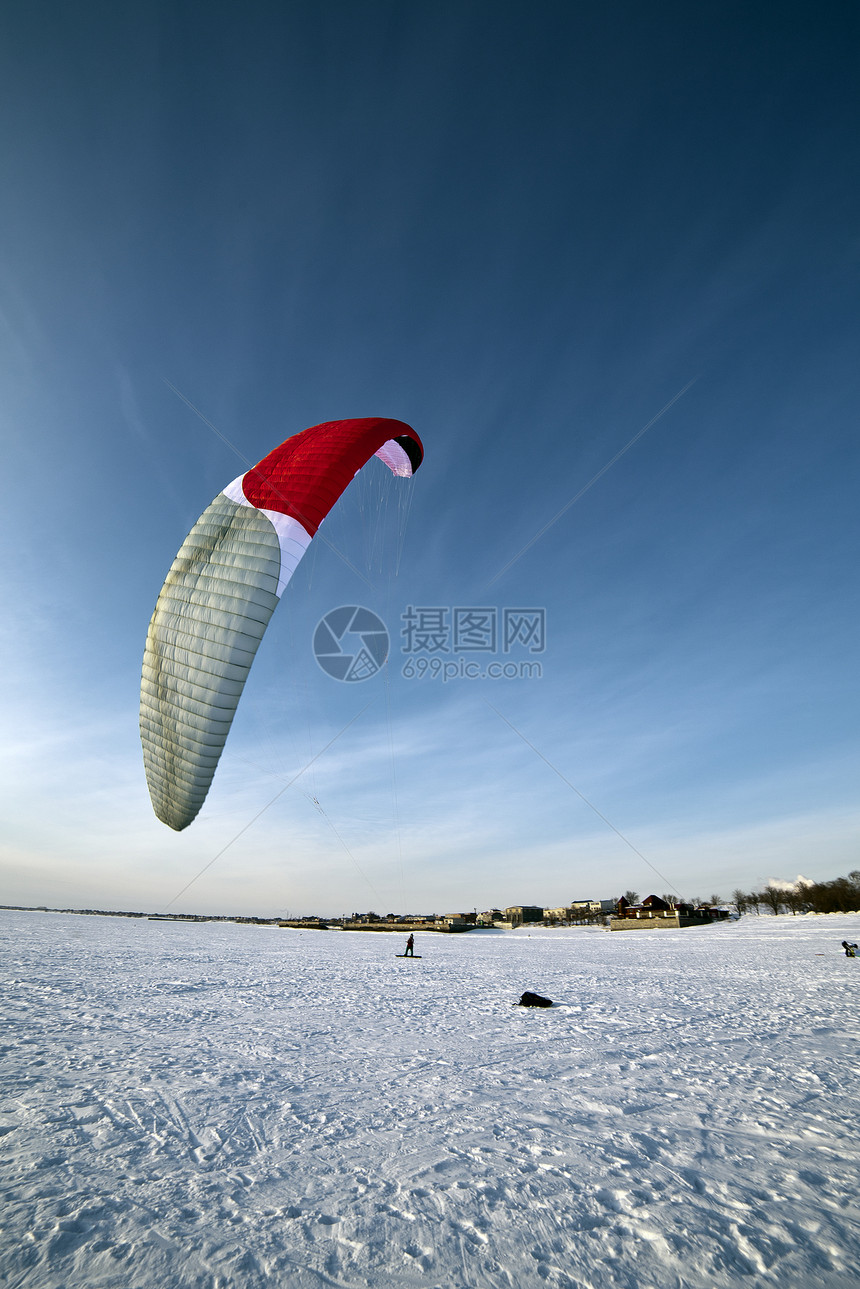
{"points": [[220, 1106]]}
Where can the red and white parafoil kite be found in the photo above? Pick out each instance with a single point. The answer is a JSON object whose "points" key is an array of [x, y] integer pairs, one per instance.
{"points": [[223, 587]]}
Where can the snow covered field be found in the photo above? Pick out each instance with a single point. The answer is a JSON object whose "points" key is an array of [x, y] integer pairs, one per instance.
{"points": [[220, 1105]]}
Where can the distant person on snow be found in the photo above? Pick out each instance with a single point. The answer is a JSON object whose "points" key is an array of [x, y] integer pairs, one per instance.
{"points": [[850, 949], [410, 947]]}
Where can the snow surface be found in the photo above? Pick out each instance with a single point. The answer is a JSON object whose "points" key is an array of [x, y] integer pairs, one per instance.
{"points": [[222, 1105]]}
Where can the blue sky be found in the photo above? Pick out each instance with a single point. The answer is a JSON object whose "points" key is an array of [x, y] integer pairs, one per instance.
{"points": [[523, 229]]}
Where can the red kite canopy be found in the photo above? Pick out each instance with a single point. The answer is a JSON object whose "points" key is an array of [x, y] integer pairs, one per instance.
{"points": [[223, 587]]}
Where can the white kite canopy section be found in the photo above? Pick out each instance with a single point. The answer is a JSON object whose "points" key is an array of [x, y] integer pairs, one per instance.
{"points": [[223, 588], [292, 537], [396, 458]]}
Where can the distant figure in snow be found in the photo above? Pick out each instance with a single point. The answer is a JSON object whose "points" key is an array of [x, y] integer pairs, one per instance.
{"points": [[850, 949], [410, 947]]}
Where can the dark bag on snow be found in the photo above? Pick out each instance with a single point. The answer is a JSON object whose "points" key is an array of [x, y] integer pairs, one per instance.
{"points": [[534, 1000]]}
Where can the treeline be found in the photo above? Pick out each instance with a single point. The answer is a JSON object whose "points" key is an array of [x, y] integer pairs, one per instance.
{"points": [[842, 895]]}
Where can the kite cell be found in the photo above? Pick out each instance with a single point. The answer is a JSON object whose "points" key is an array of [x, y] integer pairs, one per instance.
{"points": [[223, 587]]}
